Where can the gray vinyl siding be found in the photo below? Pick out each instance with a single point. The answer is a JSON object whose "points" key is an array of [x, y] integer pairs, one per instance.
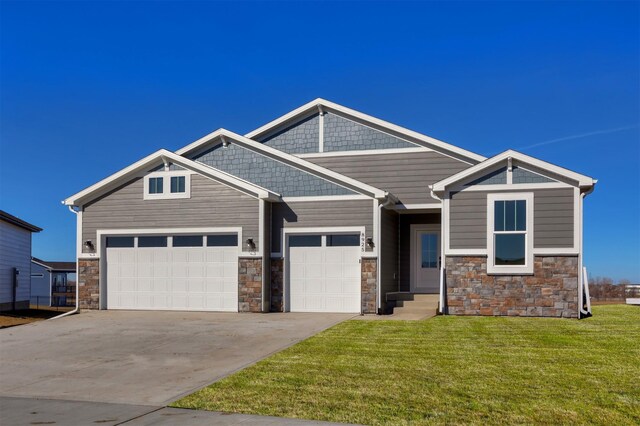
{"points": [[268, 173], [302, 137], [319, 214], [406, 220], [406, 176], [389, 252], [15, 252], [553, 219], [211, 205], [341, 134], [468, 220]]}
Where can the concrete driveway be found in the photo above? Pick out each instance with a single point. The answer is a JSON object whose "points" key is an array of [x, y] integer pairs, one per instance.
{"points": [[142, 358]]}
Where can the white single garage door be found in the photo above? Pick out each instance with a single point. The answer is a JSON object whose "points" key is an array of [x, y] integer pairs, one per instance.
{"points": [[324, 273], [181, 272]]}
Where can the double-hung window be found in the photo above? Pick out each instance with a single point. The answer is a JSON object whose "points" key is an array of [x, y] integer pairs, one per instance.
{"points": [[167, 184], [510, 233]]}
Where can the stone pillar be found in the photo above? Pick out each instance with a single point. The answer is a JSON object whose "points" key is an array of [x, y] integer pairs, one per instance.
{"points": [[552, 290], [250, 284], [369, 284], [277, 285], [89, 283]]}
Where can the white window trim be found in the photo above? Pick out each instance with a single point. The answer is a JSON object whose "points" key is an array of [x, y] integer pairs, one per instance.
{"points": [[166, 185], [527, 268]]}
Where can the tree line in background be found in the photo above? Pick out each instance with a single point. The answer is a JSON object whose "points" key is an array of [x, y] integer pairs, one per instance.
{"points": [[602, 289]]}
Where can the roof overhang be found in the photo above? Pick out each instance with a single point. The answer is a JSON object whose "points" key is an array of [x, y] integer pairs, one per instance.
{"points": [[376, 123], [18, 222], [167, 157], [576, 179], [226, 136]]}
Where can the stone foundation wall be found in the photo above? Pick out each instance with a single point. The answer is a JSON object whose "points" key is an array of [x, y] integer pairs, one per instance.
{"points": [[249, 285], [552, 290], [277, 285], [369, 282], [89, 283]]}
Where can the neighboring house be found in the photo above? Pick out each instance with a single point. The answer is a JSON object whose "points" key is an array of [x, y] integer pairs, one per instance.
{"points": [[15, 261], [326, 209], [51, 284]]}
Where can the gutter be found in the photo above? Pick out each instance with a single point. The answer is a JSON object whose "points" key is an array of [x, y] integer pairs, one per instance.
{"points": [[77, 308]]}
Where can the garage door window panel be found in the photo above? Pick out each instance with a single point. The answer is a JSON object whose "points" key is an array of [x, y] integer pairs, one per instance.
{"points": [[152, 241], [188, 241], [120, 242], [230, 240]]}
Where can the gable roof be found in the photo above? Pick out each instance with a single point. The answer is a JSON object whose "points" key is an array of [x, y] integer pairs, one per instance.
{"points": [[376, 123], [55, 266], [18, 222], [577, 179], [223, 135], [163, 156]]}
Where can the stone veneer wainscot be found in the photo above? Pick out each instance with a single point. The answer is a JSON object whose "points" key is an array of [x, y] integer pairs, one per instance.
{"points": [[249, 285], [89, 283], [552, 290], [368, 281]]}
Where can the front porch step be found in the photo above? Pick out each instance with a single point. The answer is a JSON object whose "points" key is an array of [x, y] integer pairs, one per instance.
{"points": [[420, 306]]}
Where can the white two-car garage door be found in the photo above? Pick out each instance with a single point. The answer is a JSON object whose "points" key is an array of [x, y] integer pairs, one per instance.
{"points": [[324, 273], [180, 272]]}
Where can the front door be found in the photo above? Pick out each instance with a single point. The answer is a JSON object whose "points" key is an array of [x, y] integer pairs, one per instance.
{"points": [[425, 258]]}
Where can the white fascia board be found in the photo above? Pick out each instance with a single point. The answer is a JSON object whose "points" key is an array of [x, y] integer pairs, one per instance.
{"points": [[293, 161], [581, 180], [163, 155], [415, 137]]}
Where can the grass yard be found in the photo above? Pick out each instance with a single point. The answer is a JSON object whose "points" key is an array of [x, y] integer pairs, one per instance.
{"points": [[449, 370]]}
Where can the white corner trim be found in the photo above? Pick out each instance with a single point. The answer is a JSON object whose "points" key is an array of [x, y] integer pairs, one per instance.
{"points": [[166, 193], [527, 268], [326, 198], [320, 129], [356, 153]]}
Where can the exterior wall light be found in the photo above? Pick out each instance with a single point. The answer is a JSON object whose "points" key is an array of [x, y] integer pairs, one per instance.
{"points": [[88, 245], [250, 244], [369, 242]]}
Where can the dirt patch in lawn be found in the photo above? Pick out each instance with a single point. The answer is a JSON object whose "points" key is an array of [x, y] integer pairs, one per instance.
{"points": [[26, 316]]}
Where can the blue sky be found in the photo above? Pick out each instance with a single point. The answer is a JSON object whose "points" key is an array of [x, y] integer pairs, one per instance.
{"points": [[88, 88]]}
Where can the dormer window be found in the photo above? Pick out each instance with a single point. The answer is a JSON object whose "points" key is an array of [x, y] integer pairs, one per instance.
{"points": [[155, 185], [167, 185]]}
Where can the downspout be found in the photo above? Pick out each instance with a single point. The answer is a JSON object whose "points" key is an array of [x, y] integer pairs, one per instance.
{"points": [[582, 313], [77, 308], [388, 200], [441, 308]]}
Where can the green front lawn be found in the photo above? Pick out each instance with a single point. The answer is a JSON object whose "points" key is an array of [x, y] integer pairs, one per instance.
{"points": [[454, 370]]}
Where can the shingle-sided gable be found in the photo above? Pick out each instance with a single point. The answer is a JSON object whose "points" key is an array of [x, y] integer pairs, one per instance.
{"points": [[266, 172], [342, 134], [300, 138]]}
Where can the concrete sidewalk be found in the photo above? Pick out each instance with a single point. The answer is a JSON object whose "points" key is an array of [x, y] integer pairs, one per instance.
{"points": [[31, 411]]}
